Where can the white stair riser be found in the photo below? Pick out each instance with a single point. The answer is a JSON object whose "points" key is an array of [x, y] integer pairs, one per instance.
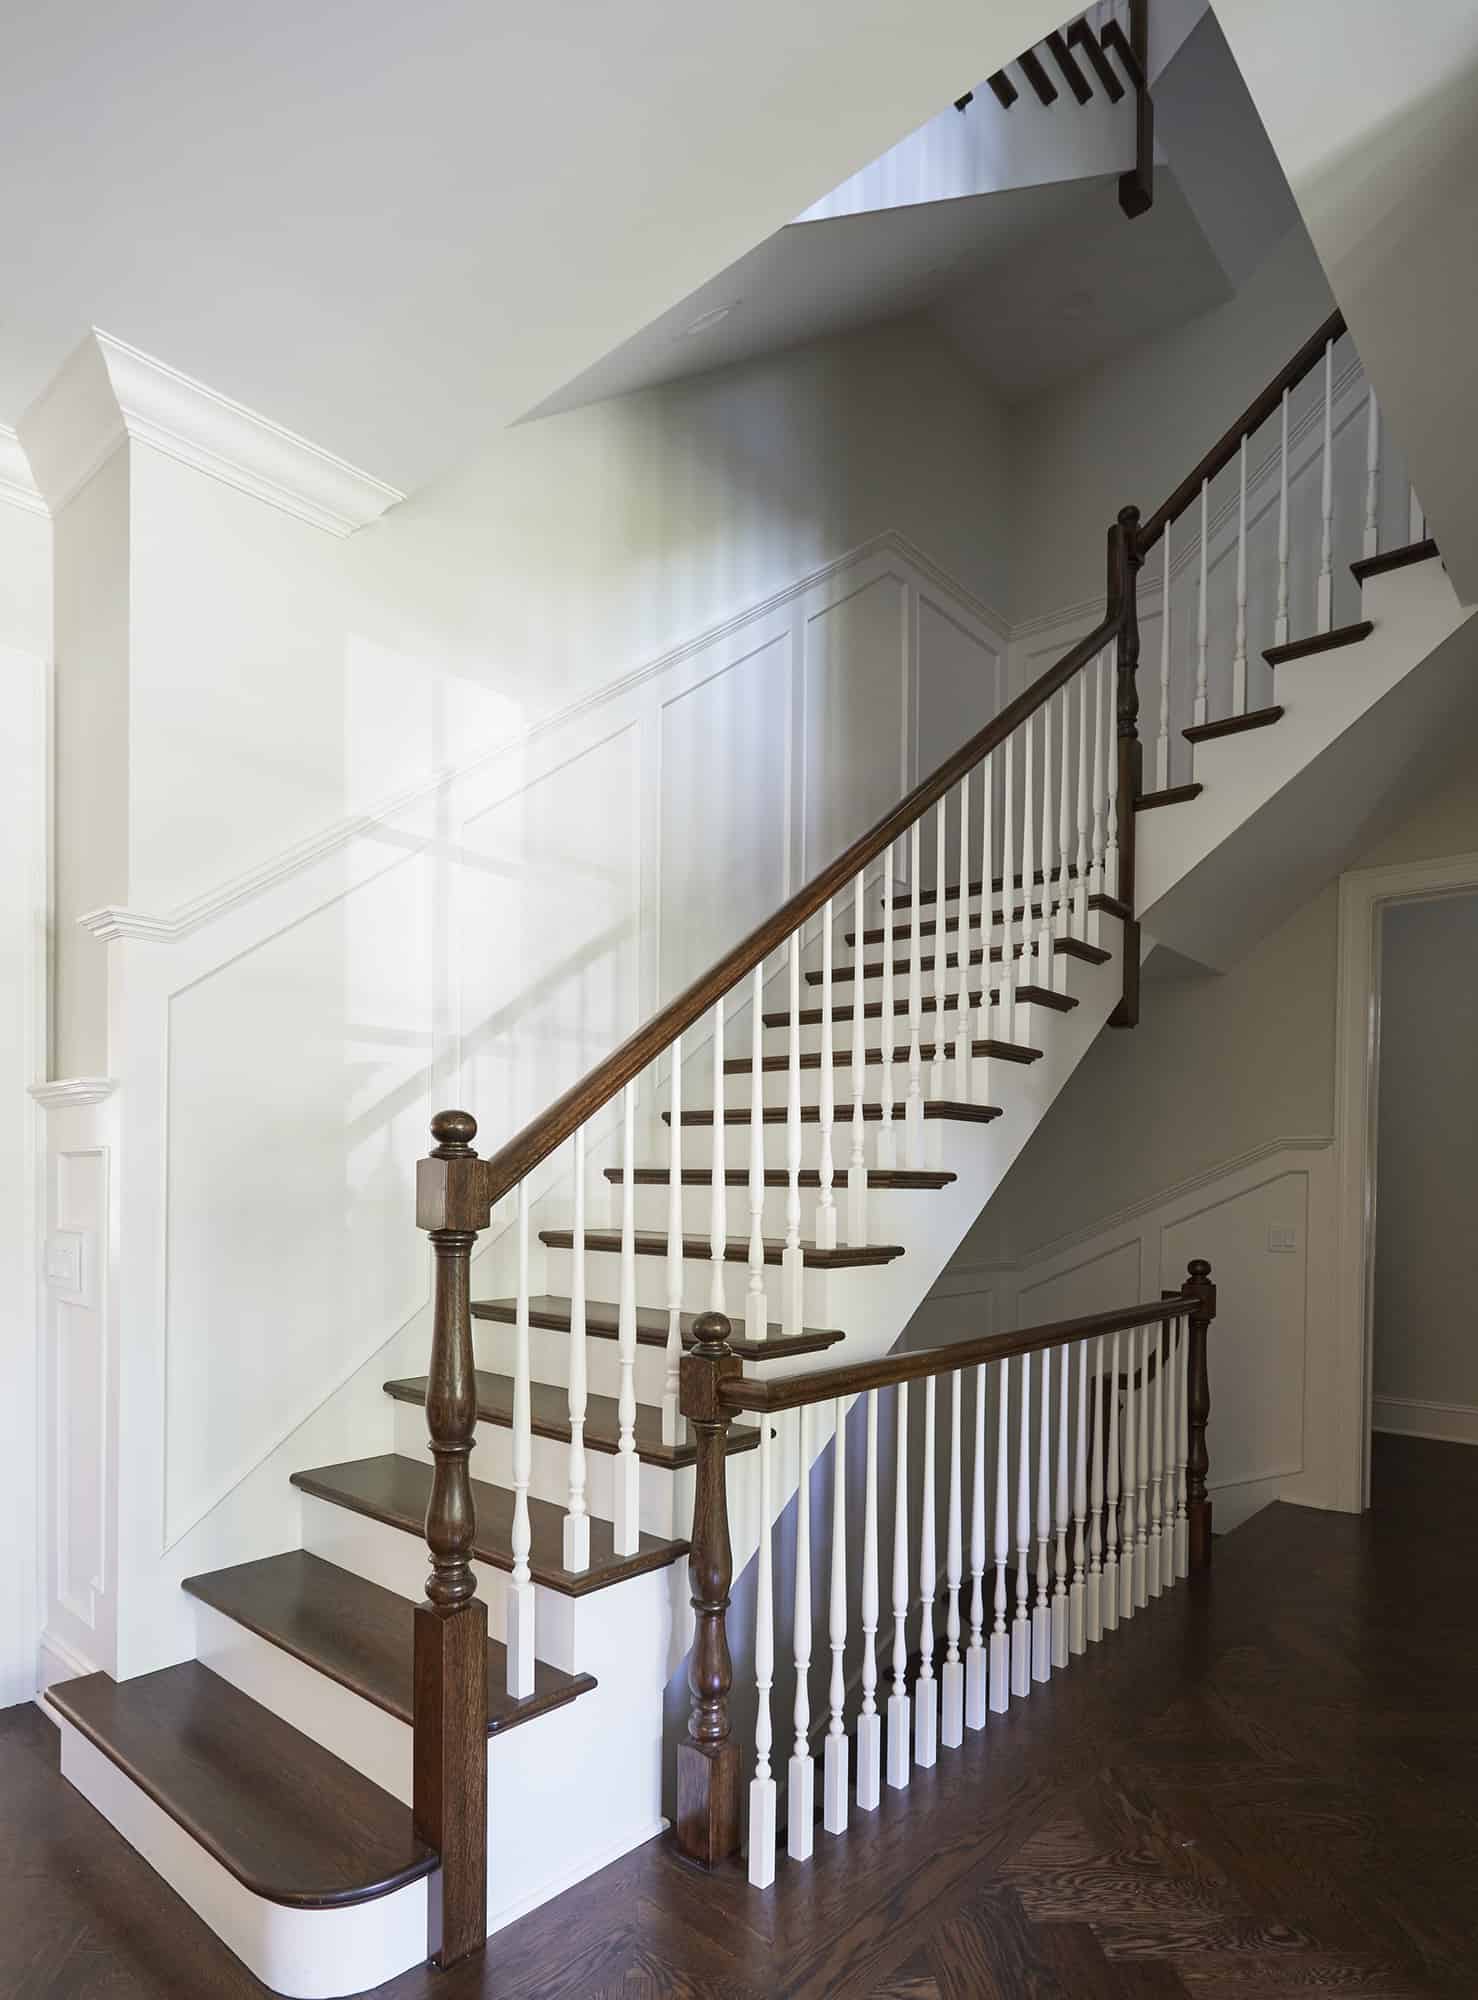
{"points": [[666, 1497], [549, 1359], [309, 1954]]}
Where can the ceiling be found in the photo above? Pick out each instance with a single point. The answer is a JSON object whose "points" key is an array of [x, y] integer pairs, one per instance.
{"points": [[393, 230], [1033, 285]]}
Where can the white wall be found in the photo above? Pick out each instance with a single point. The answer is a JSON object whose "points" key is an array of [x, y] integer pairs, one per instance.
{"points": [[1426, 1331], [25, 659], [1130, 431]]}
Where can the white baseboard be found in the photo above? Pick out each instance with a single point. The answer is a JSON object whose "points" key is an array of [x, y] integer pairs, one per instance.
{"points": [[1412, 1416], [57, 1661]]}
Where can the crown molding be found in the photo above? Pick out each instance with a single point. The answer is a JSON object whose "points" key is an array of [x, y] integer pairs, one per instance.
{"points": [[70, 1092], [107, 392], [17, 485]]}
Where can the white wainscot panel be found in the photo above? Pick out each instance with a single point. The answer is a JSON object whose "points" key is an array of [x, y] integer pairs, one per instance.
{"points": [[548, 902], [958, 693], [1256, 1355], [856, 696], [298, 1103], [724, 809], [1112, 1276], [79, 1389]]}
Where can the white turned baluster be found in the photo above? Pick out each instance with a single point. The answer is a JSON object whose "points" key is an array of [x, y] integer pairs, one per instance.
{"points": [[913, 1129], [1095, 879], [1027, 963], [1064, 835], [1239, 644], [1162, 741], [836, 1767], [1093, 1609], [577, 1519], [988, 976], [857, 1156], [1006, 982], [898, 1745], [1042, 1608], [1128, 1533], [975, 1657], [1000, 1643], [1045, 953], [1077, 1612], [1326, 501], [826, 1214], [519, 1616], [1021, 1631], [801, 1786], [926, 1689], [671, 1420], [1280, 620], [887, 1093], [1198, 707], [869, 1723], [756, 1304], [1416, 520], [1111, 781], [627, 1496], [1167, 1537], [718, 1218], [1371, 541], [966, 935], [762, 1785], [1142, 1485], [1059, 1554], [952, 1682], [1085, 814], [792, 1259], [1154, 1573], [940, 981], [1112, 1587], [1182, 1453]]}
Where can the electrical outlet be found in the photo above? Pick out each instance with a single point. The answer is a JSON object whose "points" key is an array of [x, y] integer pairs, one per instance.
{"points": [[1282, 1236]]}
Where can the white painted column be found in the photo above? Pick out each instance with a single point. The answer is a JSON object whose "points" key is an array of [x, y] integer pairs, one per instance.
{"points": [[1000, 1642], [1085, 811], [1112, 1583], [1128, 1529], [899, 1751], [1182, 1453], [964, 1018], [671, 1420], [1006, 1012], [1198, 707], [985, 1018], [857, 1156], [1021, 1632], [762, 1785], [1111, 778], [1045, 953], [626, 1510], [1059, 1553], [1141, 1399], [1028, 960], [826, 1214], [1326, 501], [913, 1127], [1280, 620], [1167, 1539], [1095, 879], [887, 1151], [869, 1723], [952, 1681], [1077, 1615], [1370, 544], [792, 1258], [1093, 1619], [1239, 643], [518, 1632], [926, 1688], [576, 1551], [1063, 926], [718, 1219], [756, 1301], [975, 1654], [836, 1771], [1042, 1608], [801, 1773], [1154, 1577], [1162, 740], [940, 983]]}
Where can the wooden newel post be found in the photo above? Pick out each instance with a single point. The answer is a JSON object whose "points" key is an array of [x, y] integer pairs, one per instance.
{"points": [[708, 1763], [1198, 1387], [450, 1779], [1125, 558]]}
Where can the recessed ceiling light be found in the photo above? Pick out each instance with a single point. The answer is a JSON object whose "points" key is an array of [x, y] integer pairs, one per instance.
{"points": [[705, 320]]}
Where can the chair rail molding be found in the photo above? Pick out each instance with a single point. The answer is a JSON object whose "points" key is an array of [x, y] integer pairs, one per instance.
{"points": [[107, 392], [1363, 896]]}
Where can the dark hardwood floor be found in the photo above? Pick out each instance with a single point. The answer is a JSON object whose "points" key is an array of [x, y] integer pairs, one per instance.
{"points": [[1265, 1788]]}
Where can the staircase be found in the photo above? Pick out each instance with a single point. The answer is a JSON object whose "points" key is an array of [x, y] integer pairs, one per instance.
{"points": [[735, 1217]]}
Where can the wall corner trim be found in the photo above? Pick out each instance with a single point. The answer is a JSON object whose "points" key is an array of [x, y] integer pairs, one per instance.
{"points": [[107, 392], [17, 482], [68, 1093]]}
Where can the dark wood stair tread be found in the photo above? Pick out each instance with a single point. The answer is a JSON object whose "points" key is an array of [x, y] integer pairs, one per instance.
{"points": [[290, 1821], [653, 1243], [602, 1322], [549, 1416], [395, 1490], [871, 1010], [1233, 725], [1071, 947], [977, 884], [776, 1114], [876, 933], [842, 1058], [777, 1177], [359, 1634], [1322, 642], [1412, 552], [1173, 795]]}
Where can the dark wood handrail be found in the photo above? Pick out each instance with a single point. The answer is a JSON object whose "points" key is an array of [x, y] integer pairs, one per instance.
{"points": [[538, 1139], [1225, 450], [821, 1385]]}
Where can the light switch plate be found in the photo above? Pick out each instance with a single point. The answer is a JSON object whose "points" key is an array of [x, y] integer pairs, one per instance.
{"points": [[1282, 1236], [66, 1265]]}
